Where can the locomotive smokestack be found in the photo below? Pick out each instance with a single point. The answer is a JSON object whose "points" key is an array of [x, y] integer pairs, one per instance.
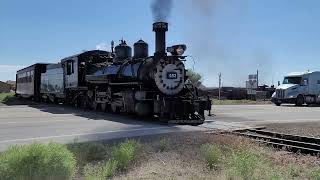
{"points": [[160, 29]]}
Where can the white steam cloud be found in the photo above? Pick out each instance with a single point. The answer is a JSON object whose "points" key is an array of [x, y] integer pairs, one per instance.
{"points": [[103, 46]]}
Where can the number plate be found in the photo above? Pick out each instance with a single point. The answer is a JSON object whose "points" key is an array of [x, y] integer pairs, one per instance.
{"points": [[172, 75]]}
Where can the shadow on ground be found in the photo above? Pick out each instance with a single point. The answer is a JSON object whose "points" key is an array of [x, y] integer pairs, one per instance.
{"points": [[84, 113]]}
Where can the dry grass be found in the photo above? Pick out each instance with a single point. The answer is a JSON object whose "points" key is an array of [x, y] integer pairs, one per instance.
{"points": [[98, 161], [100, 171], [207, 156], [238, 102], [212, 154], [163, 144], [192, 155]]}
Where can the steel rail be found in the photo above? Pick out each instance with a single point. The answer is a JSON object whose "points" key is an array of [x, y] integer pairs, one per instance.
{"points": [[286, 136], [295, 143]]}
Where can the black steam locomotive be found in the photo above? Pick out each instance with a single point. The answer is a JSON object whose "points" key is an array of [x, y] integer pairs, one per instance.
{"points": [[117, 81]]}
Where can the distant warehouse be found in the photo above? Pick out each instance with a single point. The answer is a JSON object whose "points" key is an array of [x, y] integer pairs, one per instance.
{"points": [[4, 87]]}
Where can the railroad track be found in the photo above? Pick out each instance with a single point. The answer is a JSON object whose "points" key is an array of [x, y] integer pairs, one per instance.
{"points": [[294, 143]]}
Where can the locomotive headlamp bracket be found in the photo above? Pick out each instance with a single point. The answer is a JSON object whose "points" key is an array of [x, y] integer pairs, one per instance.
{"points": [[177, 49]]}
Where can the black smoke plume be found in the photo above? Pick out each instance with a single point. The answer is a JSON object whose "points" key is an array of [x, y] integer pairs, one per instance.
{"points": [[161, 9]]}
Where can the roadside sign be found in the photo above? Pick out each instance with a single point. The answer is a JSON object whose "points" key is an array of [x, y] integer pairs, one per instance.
{"points": [[253, 77], [252, 84]]}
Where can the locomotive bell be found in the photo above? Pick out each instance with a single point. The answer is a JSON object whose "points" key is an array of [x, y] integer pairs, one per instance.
{"points": [[123, 51], [140, 49]]}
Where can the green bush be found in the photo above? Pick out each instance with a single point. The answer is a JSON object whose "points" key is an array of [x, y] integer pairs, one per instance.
{"points": [[5, 97], [212, 154], [124, 153], [87, 152], [101, 171], [163, 144], [37, 161], [244, 164], [315, 174], [294, 171], [272, 174]]}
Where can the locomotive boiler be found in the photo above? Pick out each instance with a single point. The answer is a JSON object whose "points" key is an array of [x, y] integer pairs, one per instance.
{"points": [[118, 81]]}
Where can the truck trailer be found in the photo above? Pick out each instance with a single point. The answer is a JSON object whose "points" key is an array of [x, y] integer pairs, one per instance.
{"points": [[298, 88]]}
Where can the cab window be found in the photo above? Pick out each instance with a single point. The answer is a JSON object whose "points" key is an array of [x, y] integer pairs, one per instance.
{"points": [[70, 67]]}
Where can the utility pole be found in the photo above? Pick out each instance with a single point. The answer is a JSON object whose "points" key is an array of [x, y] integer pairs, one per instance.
{"points": [[219, 85], [257, 78]]}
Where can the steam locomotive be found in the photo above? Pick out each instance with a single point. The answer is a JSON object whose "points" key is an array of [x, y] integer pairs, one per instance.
{"points": [[117, 81]]}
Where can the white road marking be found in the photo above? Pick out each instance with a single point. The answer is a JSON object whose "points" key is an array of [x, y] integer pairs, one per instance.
{"points": [[253, 112], [238, 113], [39, 115], [280, 121], [48, 121], [80, 134]]}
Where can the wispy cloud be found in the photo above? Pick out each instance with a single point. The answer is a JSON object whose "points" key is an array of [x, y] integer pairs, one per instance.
{"points": [[9, 68], [102, 46], [8, 72]]}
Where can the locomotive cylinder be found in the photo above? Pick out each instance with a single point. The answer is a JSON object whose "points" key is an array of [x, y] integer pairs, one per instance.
{"points": [[160, 29]]}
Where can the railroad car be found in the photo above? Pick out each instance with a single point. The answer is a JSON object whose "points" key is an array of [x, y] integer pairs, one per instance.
{"points": [[28, 81], [118, 81]]}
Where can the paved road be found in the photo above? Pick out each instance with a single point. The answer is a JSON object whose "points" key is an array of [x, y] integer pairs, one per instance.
{"points": [[42, 123], [255, 115]]}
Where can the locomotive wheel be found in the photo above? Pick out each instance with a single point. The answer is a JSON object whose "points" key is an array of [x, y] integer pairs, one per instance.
{"points": [[103, 107], [56, 100], [115, 109], [83, 102], [94, 106], [79, 102]]}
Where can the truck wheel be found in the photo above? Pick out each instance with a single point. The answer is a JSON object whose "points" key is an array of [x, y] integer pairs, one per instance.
{"points": [[277, 104], [300, 100]]}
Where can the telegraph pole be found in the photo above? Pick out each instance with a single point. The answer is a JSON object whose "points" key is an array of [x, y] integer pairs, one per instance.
{"points": [[219, 85], [257, 78]]}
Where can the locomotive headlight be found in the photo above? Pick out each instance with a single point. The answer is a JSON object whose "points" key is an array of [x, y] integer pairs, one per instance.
{"points": [[177, 49]]}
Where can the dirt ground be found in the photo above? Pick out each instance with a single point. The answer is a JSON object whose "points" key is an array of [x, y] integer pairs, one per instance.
{"points": [[306, 129], [182, 159]]}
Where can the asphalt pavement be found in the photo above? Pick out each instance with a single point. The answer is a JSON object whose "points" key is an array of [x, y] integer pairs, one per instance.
{"points": [[246, 116], [21, 124]]}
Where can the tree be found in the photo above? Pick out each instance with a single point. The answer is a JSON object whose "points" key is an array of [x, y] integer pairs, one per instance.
{"points": [[195, 78]]}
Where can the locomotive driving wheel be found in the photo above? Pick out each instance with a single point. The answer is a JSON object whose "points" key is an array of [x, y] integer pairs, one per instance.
{"points": [[115, 108], [90, 100]]}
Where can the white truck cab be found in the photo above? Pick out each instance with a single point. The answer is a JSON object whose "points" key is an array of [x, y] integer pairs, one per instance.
{"points": [[298, 88]]}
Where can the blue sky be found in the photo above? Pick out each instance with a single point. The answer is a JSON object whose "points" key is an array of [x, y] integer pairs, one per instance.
{"points": [[234, 37]]}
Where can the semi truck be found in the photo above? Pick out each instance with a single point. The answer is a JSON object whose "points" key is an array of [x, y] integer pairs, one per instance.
{"points": [[298, 88]]}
